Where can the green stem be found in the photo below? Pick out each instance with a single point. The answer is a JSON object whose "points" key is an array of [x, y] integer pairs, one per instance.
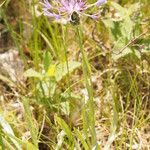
{"points": [[65, 29], [88, 82]]}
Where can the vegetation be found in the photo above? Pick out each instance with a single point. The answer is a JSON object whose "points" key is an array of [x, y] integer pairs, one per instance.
{"points": [[84, 86]]}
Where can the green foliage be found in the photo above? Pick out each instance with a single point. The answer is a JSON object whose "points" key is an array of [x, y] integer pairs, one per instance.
{"points": [[66, 129], [59, 71], [87, 87], [124, 28], [30, 122], [7, 130]]}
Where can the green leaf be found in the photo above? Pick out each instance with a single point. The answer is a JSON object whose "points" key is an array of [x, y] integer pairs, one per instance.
{"points": [[134, 8], [127, 27], [46, 88], [8, 130], [121, 11], [47, 60], [65, 127], [126, 52], [81, 138], [33, 73], [118, 54], [65, 108], [30, 122], [62, 70]]}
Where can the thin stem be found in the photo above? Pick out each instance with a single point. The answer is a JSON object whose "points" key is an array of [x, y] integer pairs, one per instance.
{"points": [[88, 82], [68, 72]]}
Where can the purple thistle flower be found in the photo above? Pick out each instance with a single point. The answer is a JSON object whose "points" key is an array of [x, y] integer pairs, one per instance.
{"points": [[69, 10]]}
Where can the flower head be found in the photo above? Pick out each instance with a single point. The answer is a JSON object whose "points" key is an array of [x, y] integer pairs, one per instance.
{"points": [[69, 10]]}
